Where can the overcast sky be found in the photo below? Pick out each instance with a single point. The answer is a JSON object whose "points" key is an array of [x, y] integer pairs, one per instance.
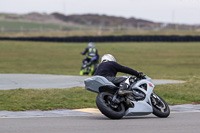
{"points": [[175, 11]]}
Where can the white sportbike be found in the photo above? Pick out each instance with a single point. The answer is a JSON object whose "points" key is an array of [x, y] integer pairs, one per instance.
{"points": [[142, 100]]}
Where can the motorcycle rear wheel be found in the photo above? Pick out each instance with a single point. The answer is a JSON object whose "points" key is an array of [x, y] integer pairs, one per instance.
{"points": [[104, 103], [160, 107]]}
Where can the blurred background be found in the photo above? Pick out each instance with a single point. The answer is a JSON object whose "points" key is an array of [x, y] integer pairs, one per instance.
{"points": [[99, 18]]}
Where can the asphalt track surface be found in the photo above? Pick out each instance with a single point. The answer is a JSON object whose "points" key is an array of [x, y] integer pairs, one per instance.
{"points": [[175, 123], [39, 81]]}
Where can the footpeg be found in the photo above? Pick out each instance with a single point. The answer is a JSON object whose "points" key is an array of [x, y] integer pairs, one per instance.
{"points": [[129, 103]]}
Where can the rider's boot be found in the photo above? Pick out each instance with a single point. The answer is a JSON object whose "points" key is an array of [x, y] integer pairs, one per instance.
{"points": [[123, 89]]}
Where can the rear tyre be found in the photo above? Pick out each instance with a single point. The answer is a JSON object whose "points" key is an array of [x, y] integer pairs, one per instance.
{"points": [[105, 105], [160, 107]]}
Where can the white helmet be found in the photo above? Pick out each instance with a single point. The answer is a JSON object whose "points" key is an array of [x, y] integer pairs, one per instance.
{"points": [[108, 57], [91, 44]]}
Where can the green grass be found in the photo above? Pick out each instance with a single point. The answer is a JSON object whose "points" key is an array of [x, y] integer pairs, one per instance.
{"points": [[159, 60], [179, 61], [186, 93], [6, 27], [47, 99], [9, 25]]}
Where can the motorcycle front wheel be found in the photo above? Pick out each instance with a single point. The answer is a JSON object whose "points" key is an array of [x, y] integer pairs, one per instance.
{"points": [[108, 108], [160, 107]]}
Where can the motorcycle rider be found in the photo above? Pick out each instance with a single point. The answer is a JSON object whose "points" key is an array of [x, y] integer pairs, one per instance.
{"points": [[109, 68], [92, 54]]}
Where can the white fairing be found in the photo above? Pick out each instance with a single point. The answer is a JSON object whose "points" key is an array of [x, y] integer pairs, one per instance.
{"points": [[143, 107], [149, 79], [140, 108], [93, 83]]}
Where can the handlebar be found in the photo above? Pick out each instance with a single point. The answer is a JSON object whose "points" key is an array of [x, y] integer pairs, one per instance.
{"points": [[134, 78]]}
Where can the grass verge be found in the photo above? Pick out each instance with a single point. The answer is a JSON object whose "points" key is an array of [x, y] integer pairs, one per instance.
{"points": [[46, 99], [186, 93]]}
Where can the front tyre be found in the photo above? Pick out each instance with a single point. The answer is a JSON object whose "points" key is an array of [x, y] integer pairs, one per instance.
{"points": [[160, 107], [109, 109]]}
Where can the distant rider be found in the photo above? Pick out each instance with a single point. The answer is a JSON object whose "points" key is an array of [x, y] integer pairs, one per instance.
{"points": [[109, 68], [92, 54]]}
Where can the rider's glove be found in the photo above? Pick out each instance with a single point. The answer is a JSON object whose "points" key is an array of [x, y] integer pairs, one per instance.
{"points": [[140, 75]]}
